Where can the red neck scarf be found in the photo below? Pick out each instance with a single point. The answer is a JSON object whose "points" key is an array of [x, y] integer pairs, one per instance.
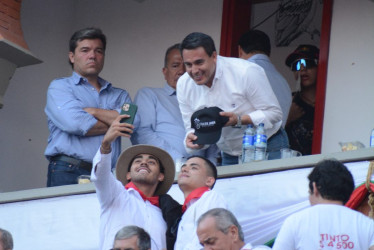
{"points": [[153, 200], [197, 193]]}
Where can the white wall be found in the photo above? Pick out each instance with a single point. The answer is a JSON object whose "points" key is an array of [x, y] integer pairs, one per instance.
{"points": [[138, 35], [349, 109]]}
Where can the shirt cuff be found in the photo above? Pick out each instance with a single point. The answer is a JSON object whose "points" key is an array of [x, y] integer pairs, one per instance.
{"points": [[99, 164]]}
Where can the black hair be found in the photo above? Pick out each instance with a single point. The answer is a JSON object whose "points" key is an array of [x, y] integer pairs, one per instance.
{"points": [[254, 41], [211, 168], [197, 39], [170, 49], [333, 180], [86, 33]]}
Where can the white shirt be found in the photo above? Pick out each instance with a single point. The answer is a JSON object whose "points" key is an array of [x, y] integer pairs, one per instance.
{"points": [[247, 246], [187, 238], [326, 226], [121, 207], [239, 86]]}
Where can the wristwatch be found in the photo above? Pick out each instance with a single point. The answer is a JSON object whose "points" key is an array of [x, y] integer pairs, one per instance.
{"points": [[238, 123]]}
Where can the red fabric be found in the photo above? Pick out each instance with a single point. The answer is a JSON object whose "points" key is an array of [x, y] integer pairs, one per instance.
{"points": [[153, 200], [358, 195], [197, 193]]}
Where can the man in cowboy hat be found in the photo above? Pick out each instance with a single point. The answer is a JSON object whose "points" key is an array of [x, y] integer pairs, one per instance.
{"points": [[143, 173]]}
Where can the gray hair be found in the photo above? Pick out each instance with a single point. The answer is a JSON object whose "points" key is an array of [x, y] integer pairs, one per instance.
{"points": [[6, 239], [224, 220], [144, 240]]}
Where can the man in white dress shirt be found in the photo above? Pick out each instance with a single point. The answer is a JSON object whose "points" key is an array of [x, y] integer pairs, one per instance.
{"points": [[196, 179], [238, 87], [144, 172]]}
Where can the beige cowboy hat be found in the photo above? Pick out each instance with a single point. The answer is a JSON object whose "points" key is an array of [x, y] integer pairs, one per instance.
{"points": [[165, 159]]}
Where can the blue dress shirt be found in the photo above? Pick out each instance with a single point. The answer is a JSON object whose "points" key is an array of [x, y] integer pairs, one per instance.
{"points": [[278, 83], [68, 123], [161, 122]]}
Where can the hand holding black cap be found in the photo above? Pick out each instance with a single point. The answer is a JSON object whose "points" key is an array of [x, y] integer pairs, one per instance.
{"points": [[208, 124]]}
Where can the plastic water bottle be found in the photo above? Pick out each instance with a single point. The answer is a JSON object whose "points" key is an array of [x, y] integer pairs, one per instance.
{"points": [[260, 143], [248, 152], [372, 139]]}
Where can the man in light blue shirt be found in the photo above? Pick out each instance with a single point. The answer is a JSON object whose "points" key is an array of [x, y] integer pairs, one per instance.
{"points": [[254, 46], [161, 121], [80, 109]]}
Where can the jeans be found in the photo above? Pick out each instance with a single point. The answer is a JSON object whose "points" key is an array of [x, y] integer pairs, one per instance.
{"points": [[229, 159], [275, 143], [63, 173]]}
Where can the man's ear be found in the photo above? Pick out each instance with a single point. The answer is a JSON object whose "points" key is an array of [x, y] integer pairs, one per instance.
{"points": [[240, 51], [164, 71], [71, 57], [161, 177], [128, 176], [315, 189], [234, 233], [210, 181], [214, 55]]}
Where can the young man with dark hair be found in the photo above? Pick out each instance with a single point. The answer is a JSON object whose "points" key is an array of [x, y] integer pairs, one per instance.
{"points": [[80, 109], [255, 47], [144, 172], [239, 88], [328, 224], [196, 180], [161, 123]]}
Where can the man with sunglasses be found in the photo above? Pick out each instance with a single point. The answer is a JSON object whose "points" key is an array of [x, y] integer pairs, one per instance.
{"points": [[304, 63]]}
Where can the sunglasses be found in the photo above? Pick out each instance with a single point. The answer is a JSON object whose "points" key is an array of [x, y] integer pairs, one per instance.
{"points": [[307, 64]]}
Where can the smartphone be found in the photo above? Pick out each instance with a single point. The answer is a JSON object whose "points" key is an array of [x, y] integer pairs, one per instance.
{"points": [[128, 109]]}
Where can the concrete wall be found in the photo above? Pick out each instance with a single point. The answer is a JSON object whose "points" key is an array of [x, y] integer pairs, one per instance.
{"points": [[349, 110]]}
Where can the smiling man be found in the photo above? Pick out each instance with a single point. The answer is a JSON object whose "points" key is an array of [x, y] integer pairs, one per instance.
{"points": [[238, 87], [144, 172], [196, 180], [80, 109], [161, 123]]}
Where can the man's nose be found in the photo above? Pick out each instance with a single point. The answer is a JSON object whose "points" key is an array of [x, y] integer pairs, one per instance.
{"points": [[194, 69], [92, 54], [185, 169]]}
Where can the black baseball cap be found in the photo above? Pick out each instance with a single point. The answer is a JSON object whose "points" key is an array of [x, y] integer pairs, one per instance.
{"points": [[304, 51], [208, 124]]}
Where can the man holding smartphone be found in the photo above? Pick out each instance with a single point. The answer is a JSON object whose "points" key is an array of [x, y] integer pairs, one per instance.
{"points": [[80, 109], [144, 173]]}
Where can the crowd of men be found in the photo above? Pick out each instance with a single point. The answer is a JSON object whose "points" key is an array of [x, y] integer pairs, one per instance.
{"points": [[85, 123]]}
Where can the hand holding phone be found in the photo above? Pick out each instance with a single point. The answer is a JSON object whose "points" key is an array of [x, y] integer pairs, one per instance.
{"points": [[128, 109]]}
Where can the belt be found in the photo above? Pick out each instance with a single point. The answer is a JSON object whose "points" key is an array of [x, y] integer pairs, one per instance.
{"points": [[79, 163]]}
